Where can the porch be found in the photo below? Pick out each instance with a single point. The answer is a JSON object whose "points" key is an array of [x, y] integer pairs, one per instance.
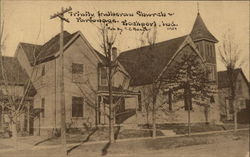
{"points": [[125, 105]]}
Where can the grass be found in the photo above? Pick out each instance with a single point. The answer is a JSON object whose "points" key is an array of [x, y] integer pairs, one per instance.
{"points": [[179, 128], [2, 146], [164, 143], [101, 134]]}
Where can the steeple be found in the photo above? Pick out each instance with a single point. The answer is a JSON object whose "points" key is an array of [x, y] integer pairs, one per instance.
{"points": [[200, 31]]}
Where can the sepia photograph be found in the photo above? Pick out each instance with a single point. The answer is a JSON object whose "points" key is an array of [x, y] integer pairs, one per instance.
{"points": [[124, 78]]}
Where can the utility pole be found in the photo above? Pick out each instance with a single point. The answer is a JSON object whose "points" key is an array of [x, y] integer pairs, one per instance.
{"points": [[61, 76]]}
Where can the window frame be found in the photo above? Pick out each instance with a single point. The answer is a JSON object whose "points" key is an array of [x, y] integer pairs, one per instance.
{"points": [[43, 107], [77, 115], [139, 101], [77, 75], [101, 74]]}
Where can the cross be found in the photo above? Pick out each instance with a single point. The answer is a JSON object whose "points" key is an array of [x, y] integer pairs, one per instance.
{"points": [[198, 7]]}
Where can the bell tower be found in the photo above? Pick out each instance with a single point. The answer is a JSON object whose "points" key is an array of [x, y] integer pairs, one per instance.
{"points": [[205, 43]]}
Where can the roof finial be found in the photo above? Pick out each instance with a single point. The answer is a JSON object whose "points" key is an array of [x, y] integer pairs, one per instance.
{"points": [[198, 10]]}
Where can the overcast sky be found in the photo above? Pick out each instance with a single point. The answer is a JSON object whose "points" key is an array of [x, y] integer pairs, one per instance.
{"points": [[24, 20]]}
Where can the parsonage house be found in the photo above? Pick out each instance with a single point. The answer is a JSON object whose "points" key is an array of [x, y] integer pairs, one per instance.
{"points": [[242, 94], [85, 80]]}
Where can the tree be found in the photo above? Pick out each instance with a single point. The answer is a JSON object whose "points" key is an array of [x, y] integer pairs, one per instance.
{"points": [[229, 53], [108, 38], [13, 100], [150, 103], [189, 80]]}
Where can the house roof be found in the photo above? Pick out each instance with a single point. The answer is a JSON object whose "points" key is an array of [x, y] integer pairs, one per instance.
{"points": [[101, 56], [15, 74], [46, 51], [31, 50], [223, 81], [146, 63], [200, 31]]}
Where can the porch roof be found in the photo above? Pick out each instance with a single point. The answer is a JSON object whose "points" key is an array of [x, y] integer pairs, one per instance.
{"points": [[103, 90]]}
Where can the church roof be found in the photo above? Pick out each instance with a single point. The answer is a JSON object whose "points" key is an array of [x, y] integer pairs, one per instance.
{"points": [[146, 63], [200, 31]]}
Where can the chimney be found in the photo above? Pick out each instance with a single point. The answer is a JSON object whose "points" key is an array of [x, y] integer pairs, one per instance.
{"points": [[114, 53]]}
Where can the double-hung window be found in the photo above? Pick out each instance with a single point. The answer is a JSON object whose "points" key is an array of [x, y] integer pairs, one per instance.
{"points": [[77, 72], [77, 106]]}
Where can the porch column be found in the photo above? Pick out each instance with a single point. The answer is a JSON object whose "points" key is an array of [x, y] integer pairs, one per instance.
{"points": [[1, 117], [28, 118], [102, 111], [97, 110], [136, 108]]}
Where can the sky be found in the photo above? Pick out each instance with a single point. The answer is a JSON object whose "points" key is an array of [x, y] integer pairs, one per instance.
{"points": [[29, 21]]}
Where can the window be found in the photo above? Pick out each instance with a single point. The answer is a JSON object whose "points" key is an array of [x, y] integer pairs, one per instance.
{"points": [[103, 76], [211, 73], [200, 49], [211, 51], [207, 50], [43, 70], [77, 106], [170, 101], [139, 102], [77, 72], [43, 107]]}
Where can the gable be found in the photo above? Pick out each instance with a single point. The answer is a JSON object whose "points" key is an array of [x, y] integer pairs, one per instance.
{"points": [[31, 51], [186, 49]]}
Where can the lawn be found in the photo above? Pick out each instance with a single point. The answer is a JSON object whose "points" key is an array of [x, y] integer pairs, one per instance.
{"points": [[3, 146], [180, 128], [162, 143], [101, 134]]}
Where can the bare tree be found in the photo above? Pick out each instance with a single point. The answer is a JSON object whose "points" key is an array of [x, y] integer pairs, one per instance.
{"points": [[151, 102], [15, 101], [229, 53]]}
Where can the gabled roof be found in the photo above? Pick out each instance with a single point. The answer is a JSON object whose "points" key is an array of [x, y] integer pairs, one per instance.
{"points": [[31, 50], [50, 48], [15, 74], [200, 31], [146, 63], [46, 51], [223, 81]]}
